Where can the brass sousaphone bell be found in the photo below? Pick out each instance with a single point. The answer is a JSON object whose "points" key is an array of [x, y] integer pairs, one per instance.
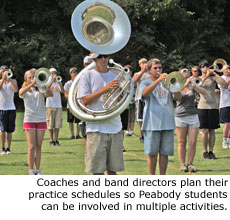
{"points": [[101, 26]]}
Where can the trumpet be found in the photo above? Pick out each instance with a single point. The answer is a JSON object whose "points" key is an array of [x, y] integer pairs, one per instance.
{"points": [[197, 81], [58, 79], [9, 74], [174, 81]]}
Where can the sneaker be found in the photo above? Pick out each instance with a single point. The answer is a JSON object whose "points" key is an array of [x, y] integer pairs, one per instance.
{"points": [[31, 172], [191, 168], [78, 137], [52, 143], [212, 155], [72, 137], [57, 143], [38, 172], [128, 134], [225, 144], [142, 139], [183, 168], [8, 151], [124, 149], [3, 152], [206, 155]]}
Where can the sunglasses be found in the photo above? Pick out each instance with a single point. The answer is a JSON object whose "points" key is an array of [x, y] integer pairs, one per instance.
{"points": [[204, 65], [185, 71], [158, 67], [100, 56], [195, 71]]}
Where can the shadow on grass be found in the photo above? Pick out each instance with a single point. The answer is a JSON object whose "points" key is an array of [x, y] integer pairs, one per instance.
{"points": [[67, 152], [213, 171], [138, 160]]}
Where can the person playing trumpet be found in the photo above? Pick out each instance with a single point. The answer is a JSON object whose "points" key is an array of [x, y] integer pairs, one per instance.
{"points": [[158, 118], [54, 108], [187, 121], [208, 109], [8, 87], [34, 119]]}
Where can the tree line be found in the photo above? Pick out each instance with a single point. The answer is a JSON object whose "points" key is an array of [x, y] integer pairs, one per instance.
{"points": [[181, 33]]}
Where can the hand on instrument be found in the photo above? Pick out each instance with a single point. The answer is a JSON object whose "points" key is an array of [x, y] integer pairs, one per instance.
{"points": [[162, 76], [144, 68], [112, 84]]}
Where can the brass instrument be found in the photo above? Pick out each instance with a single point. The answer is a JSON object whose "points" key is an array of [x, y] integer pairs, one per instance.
{"points": [[219, 65], [58, 79], [9, 74], [42, 77], [197, 81], [102, 26], [174, 81]]}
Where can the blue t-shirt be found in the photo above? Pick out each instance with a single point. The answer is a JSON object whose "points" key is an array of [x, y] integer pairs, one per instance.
{"points": [[158, 110]]}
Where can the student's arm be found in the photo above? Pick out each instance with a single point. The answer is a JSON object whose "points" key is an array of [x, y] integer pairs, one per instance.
{"points": [[14, 85]]}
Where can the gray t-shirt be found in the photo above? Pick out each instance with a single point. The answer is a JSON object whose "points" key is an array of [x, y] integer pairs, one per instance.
{"points": [[186, 106], [158, 110]]}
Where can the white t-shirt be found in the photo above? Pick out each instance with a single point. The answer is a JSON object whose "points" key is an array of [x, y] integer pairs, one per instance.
{"points": [[7, 97], [55, 100], [90, 82], [67, 88], [34, 103], [224, 94], [145, 76]]}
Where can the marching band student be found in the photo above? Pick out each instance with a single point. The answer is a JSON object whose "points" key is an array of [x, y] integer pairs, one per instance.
{"points": [[7, 109], [34, 119], [104, 139], [54, 108], [208, 109], [187, 121], [225, 109], [158, 119], [138, 78], [70, 117]]}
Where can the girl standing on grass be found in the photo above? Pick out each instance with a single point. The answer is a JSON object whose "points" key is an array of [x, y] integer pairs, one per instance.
{"points": [[34, 119]]}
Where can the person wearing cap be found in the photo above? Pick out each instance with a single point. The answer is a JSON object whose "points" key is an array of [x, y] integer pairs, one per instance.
{"points": [[208, 109], [34, 123], [104, 147], [8, 87], [54, 108], [138, 78], [187, 121], [70, 117]]}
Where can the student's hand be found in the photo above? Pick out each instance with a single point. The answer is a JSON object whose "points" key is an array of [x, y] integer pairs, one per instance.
{"points": [[112, 85], [162, 76], [144, 68]]}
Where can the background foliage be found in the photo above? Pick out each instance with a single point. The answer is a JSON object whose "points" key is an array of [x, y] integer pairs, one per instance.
{"points": [[36, 33]]}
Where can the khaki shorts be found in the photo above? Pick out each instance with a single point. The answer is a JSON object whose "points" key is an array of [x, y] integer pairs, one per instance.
{"points": [[54, 118], [104, 152]]}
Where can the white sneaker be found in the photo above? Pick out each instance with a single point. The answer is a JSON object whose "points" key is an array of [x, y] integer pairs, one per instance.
{"points": [[38, 172], [31, 172], [3, 152], [225, 144]]}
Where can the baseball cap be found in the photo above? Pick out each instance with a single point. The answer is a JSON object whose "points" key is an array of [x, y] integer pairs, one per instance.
{"points": [[4, 67], [52, 70], [93, 55], [87, 59]]}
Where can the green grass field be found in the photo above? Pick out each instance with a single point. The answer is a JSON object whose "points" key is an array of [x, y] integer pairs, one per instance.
{"points": [[68, 159]]}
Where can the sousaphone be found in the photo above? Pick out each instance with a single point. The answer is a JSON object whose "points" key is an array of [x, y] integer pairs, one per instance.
{"points": [[101, 26]]}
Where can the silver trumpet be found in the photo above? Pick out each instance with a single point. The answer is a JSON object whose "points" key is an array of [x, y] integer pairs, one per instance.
{"points": [[58, 79], [42, 77], [9, 74]]}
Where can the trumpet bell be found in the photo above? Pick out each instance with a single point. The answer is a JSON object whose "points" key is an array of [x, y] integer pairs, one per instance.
{"points": [[58, 79], [43, 76], [101, 26], [175, 82], [9, 74], [197, 81]]}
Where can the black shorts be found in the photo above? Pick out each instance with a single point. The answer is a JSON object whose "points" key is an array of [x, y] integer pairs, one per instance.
{"points": [[7, 120], [83, 129], [125, 119], [71, 118], [140, 104], [225, 115], [209, 118]]}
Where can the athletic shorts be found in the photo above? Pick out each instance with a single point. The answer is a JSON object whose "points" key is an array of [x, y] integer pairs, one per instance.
{"points": [[140, 104], [83, 129], [34, 126], [7, 120], [159, 142], [191, 121], [104, 152], [209, 118], [125, 119], [132, 113], [225, 115], [54, 118], [71, 118]]}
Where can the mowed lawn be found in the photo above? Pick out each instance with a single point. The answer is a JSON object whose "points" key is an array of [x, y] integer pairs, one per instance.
{"points": [[68, 159]]}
